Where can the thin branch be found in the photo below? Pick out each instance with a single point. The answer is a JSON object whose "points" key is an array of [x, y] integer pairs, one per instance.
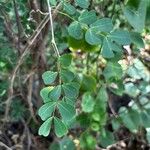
{"points": [[18, 24], [4, 145], [30, 89], [52, 29], [25, 52]]}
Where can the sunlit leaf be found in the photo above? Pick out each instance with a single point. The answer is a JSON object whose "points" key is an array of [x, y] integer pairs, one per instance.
{"points": [[46, 110], [49, 77], [45, 127]]}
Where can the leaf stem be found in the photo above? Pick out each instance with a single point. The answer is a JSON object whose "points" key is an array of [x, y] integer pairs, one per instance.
{"points": [[52, 30]]}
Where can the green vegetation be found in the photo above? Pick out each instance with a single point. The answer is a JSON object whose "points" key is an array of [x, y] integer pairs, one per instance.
{"points": [[74, 74]]}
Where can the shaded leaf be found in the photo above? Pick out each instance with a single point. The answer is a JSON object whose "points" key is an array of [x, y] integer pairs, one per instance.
{"points": [[67, 144], [88, 83], [66, 75], [107, 49], [87, 103], [60, 127], [70, 101], [107, 139], [71, 90], [87, 141], [75, 30], [92, 38], [83, 3], [121, 37], [113, 70], [87, 17], [137, 39], [136, 17], [65, 60], [67, 111], [102, 25], [70, 9]]}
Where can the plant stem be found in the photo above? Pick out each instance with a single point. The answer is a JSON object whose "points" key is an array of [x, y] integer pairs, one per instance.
{"points": [[52, 29]]}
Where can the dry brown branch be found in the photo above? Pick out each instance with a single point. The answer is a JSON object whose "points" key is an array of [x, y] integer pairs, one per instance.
{"points": [[25, 52]]}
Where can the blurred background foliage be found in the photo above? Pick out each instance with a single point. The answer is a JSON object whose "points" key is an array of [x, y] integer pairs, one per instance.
{"points": [[113, 105]]}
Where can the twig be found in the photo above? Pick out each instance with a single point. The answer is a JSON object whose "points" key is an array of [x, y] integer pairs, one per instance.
{"points": [[18, 25], [28, 76], [20, 61], [30, 98], [27, 135], [52, 29], [4, 145]]}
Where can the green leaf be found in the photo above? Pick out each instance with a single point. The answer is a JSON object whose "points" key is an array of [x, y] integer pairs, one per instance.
{"points": [[88, 83], [121, 37], [107, 139], [102, 95], [83, 3], [45, 127], [53, 2], [87, 141], [44, 93], [60, 127], [138, 71], [67, 144], [87, 17], [65, 60], [95, 126], [107, 49], [83, 119], [92, 38], [145, 119], [66, 75], [75, 30], [49, 77], [70, 101], [115, 47], [131, 89], [131, 119], [137, 39], [71, 90], [136, 17], [67, 111], [113, 70], [54, 146], [87, 103], [46, 110], [55, 93], [101, 101], [70, 9], [148, 135], [102, 25]]}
